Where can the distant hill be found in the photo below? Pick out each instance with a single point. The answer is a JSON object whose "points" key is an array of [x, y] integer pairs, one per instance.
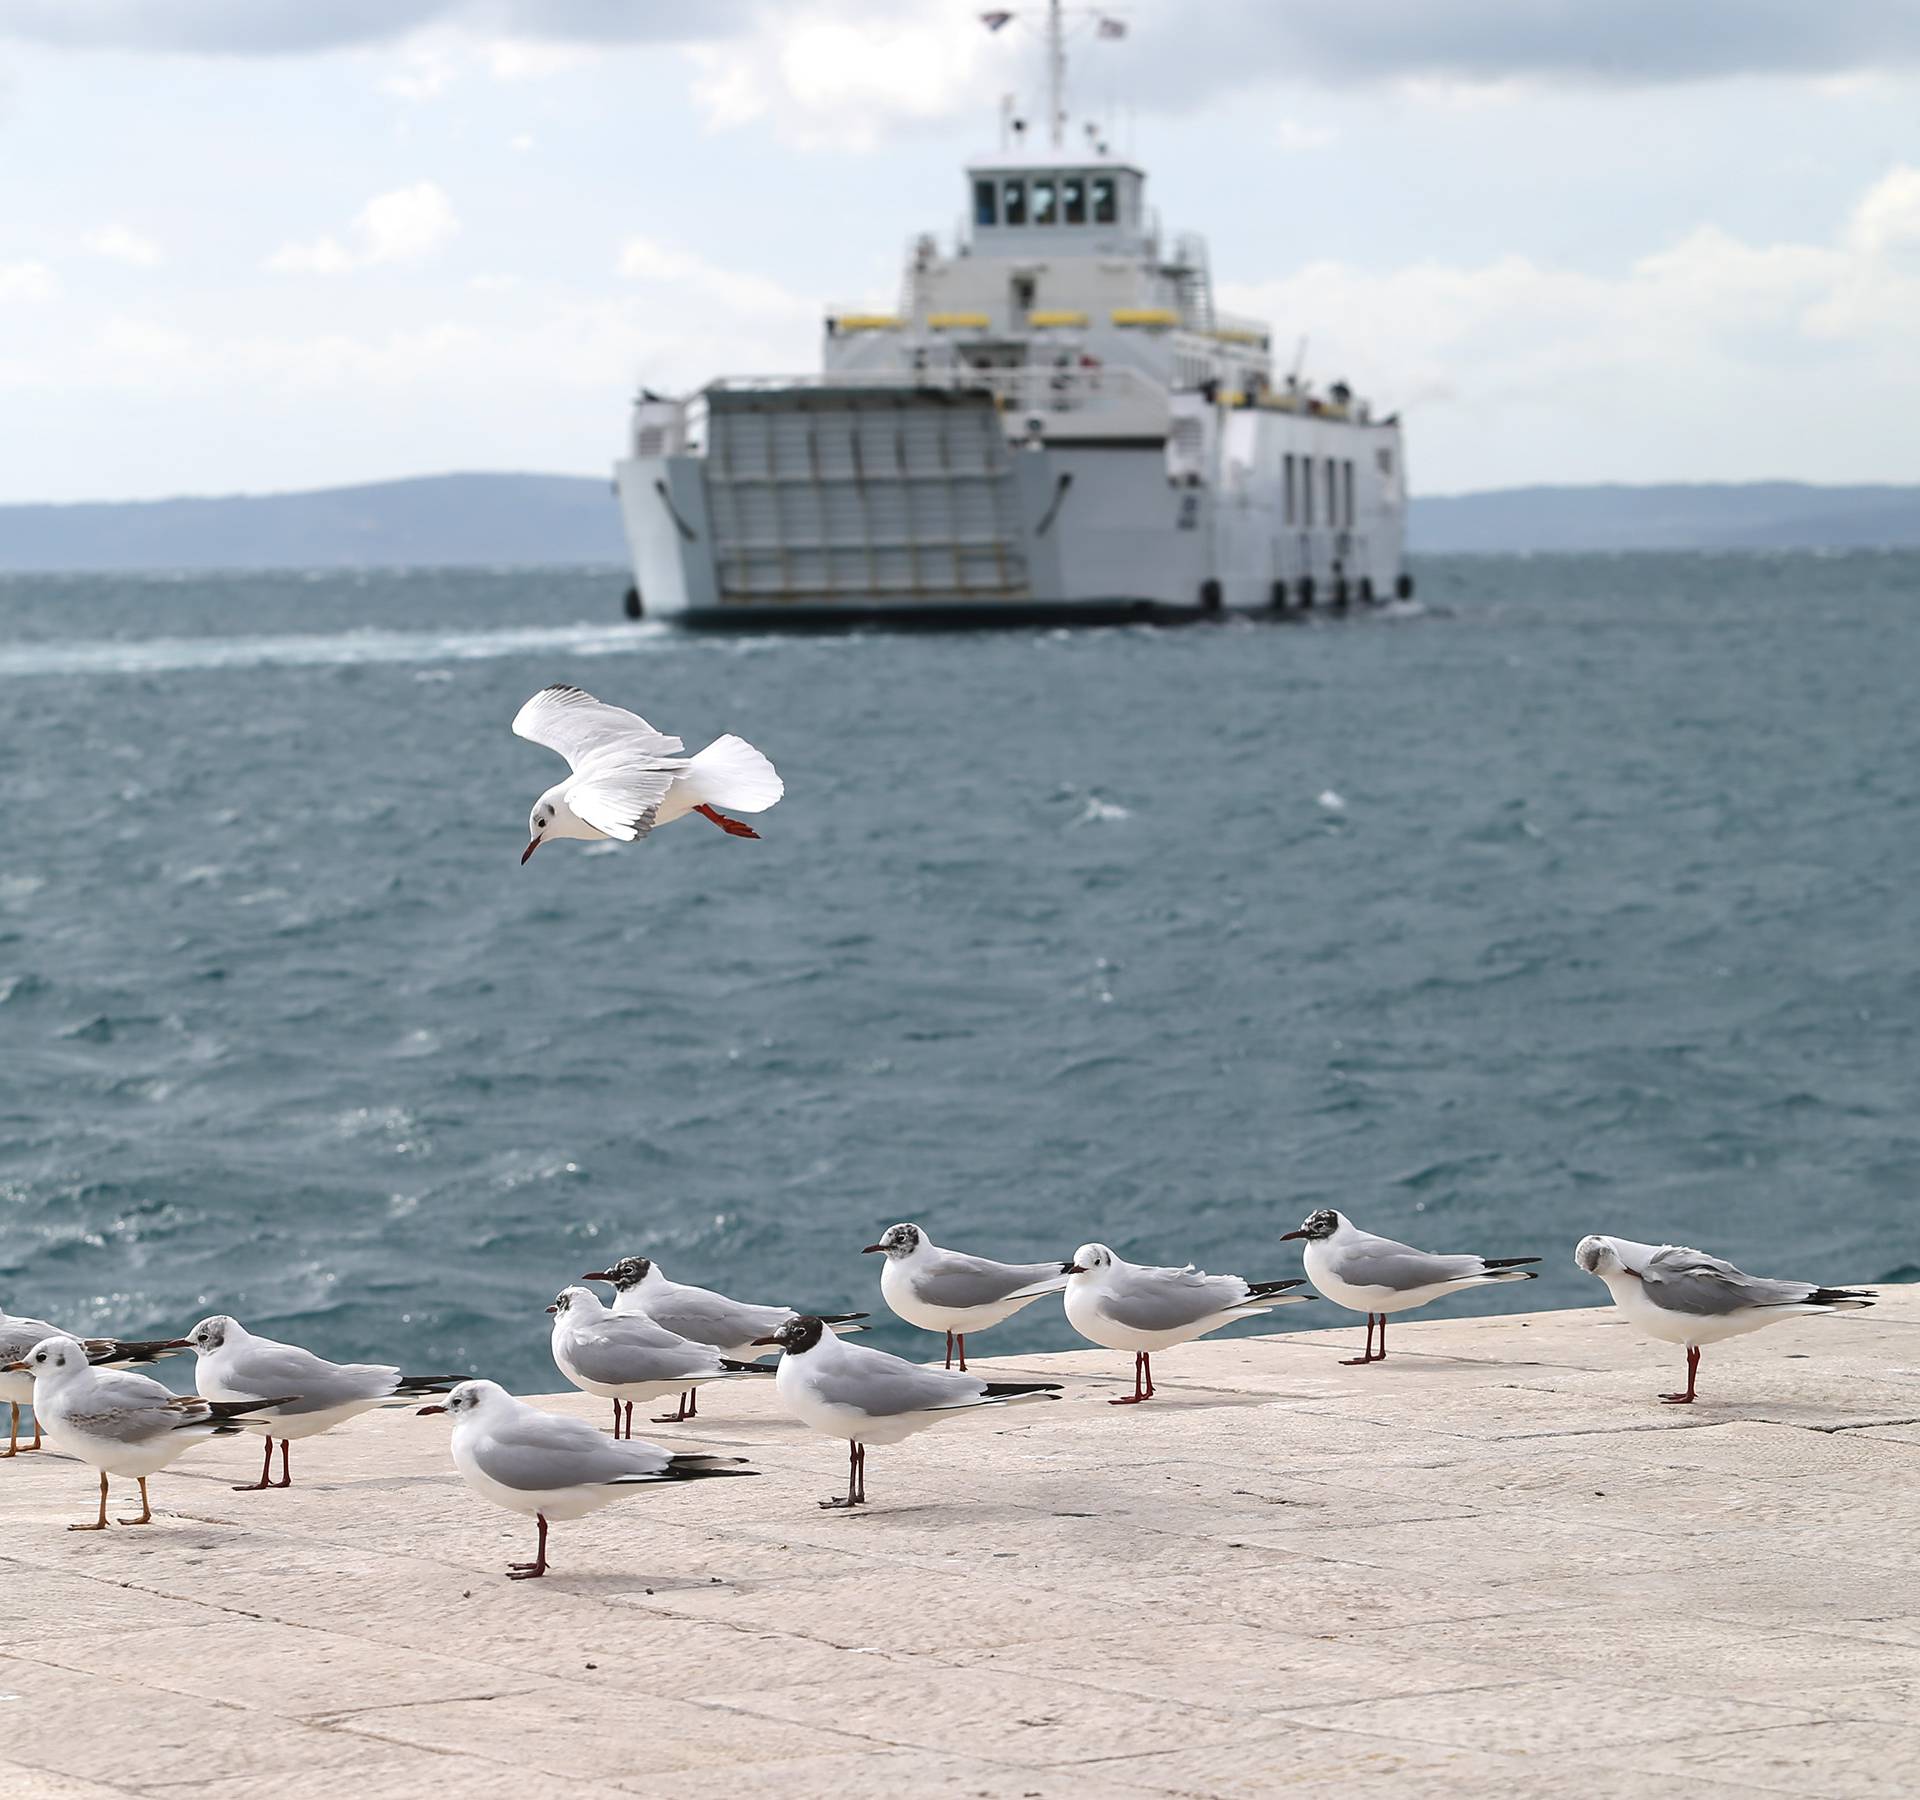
{"points": [[433, 521], [489, 520], [1758, 515]]}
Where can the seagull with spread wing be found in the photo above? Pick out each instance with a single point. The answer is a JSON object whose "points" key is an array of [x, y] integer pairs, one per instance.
{"points": [[627, 778]]}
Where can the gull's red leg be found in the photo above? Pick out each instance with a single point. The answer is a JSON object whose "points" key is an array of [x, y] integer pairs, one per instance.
{"points": [[286, 1474], [528, 1571], [963, 1352], [732, 827], [1693, 1370], [1352, 1361], [266, 1473]]}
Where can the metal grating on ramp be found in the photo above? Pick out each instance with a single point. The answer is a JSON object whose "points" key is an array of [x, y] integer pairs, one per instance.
{"points": [[816, 495]]}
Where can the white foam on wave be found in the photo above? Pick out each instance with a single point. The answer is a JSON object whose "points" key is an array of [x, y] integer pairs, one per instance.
{"points": [[165, 656]]}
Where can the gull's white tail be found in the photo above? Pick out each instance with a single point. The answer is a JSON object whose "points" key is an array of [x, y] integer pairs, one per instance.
{"points": [[731, 773]]}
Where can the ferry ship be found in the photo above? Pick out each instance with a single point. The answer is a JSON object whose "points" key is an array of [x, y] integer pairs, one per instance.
{"points": [[1055, 421]]}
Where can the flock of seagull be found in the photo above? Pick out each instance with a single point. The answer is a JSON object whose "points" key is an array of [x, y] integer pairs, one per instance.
{"points": [[661, 1339]]}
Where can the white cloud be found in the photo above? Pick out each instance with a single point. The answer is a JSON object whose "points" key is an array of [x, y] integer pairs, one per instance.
{"points": [[521, 141], [844, 74], [1720, 349], [119, 243], [666, 266], [27, 281], [425, 73], [1297, 134], [407, 225], [530, 59]]}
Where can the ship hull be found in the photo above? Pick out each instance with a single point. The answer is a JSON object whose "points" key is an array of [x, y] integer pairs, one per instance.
{"points": [[811, 507]]}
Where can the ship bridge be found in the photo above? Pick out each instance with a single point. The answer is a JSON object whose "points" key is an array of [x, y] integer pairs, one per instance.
{"points": [[1060, 269]]}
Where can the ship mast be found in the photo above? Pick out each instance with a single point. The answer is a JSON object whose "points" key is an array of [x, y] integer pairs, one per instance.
{"points": [[1056, 74]]}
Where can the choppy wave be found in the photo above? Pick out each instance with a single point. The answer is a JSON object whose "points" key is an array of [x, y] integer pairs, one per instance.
{"points": [[290, 650]]}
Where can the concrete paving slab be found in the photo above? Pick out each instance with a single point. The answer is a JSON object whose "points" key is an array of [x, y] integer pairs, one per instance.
{"points": [[1493, 1565]]}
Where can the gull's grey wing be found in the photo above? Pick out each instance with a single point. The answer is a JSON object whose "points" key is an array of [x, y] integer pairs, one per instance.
{"points": [[131, 1409], [710, 1318], [544, 1450], [621, 796], [573, 722], [1689, 1281], [955, 1279], [883, 1386], [1381, 1262], [264, 1368], [614, 1351], [1166, 1299], [18, 1336]]}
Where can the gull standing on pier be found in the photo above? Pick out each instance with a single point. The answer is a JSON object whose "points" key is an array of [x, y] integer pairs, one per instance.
{"points": [[627, 778], [547, 1466], [1377, 1276], [868, 1397], [624, 1357], [122, 1424], [236, 1365], [733, 1327], [1132, 1306], [1684, 1296], [18, 1337], [947, 1290]]}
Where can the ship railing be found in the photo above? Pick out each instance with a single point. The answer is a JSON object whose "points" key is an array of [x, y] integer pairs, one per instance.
{"points": [[1104, 392]]}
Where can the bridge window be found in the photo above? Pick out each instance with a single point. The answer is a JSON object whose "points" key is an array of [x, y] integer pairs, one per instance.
{"points": [[1333, 495], [1290, 501], [985, 208], [1383, 458], [1073, 200], [1306, 491], [1346, 477], [1106, 208], [1043, 203], [1014, 198]]}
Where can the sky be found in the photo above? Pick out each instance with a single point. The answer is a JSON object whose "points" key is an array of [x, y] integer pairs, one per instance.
{"points": [[259, 245]]}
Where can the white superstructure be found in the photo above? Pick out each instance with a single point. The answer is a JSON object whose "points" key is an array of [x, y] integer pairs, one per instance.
{"points": [[1056, 417]]}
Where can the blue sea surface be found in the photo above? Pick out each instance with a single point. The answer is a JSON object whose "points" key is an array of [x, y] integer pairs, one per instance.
{"points": [[1585, 899]]}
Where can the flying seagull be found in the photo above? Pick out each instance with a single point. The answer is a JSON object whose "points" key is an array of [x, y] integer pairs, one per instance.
{"points": [[732, 1327], [950, 1291], [236, 1365], [627, 778], [1686, 1297], [868, 1397], [548, 1466], [1377, 1276], [1131, 1306]]}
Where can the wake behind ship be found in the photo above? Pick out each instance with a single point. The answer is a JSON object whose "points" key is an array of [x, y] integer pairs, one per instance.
{"points": [[1056, 420]]}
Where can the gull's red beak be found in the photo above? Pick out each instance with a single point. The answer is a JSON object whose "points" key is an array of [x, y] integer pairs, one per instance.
{"points": [[423, 1411], [758, 1344], [869, 1249], [528, 851], [553, 1309], [602, 1276], [1285, 1235], [1071, 1269], [15, 1369]]}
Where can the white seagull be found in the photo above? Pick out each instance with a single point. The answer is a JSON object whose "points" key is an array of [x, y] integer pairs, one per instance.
{"points": [[547, 1466], [1377, 1276], [1684, 1296], [868, 1397], [1132, 1306], [950, 1291], [626, 1357], [732, 1327], [234, 1364], [18, 1336], [121, 1424], [627, 778]]}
